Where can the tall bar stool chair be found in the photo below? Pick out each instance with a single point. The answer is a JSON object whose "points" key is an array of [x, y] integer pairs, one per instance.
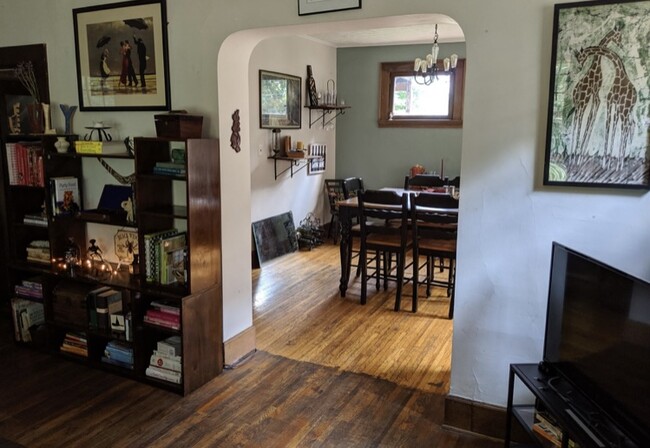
{"points": [[376, 208], [434, 237]]}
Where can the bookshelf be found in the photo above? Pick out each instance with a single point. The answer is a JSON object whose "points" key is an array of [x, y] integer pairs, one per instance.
{"points": [[188, 202]]}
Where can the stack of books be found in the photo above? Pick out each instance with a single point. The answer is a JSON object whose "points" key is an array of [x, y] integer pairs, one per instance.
{"points": [[25, 164], [119, 354], [170, 168], [547, 431], [35, 219], [166, 361], [26, 314], [31, 289], [75, 343], [164, 251], [38, 251], [164, 314]]}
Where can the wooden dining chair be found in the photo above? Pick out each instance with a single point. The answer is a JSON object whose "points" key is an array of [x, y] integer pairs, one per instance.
{"points": [[422, 181], [353, 187], [455, 182], [434, 233], [376, 208], [335, 189]]}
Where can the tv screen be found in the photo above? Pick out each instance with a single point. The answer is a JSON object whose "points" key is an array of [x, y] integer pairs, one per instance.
{"points": [[598, 337]]}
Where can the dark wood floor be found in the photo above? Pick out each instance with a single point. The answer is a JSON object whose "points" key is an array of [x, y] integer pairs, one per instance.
{"points": [[269, 400]]}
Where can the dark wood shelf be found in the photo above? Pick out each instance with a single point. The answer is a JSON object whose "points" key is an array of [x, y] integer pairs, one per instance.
{"points": [[200, 301], [323, 111], [295, 164]]}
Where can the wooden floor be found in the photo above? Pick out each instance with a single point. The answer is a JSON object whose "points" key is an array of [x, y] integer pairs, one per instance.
{"points": [[325, 375]]}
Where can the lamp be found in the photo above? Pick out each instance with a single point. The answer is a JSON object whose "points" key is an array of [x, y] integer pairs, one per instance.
{"points": [[426, 70]]}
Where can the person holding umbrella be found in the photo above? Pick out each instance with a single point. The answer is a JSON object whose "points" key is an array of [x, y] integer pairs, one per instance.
{"points": [[142, 59]]}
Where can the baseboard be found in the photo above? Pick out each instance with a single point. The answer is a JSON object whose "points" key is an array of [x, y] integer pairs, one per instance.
{"points": [[239, 346], [475, 417]]}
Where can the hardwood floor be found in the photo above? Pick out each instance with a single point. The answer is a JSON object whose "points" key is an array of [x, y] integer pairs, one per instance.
{"points": [[300, 314], [325, 375]]}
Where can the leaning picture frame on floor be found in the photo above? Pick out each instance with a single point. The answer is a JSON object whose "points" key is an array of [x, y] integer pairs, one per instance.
{"points": [[122, 57], [307, 7], [599, 96]]}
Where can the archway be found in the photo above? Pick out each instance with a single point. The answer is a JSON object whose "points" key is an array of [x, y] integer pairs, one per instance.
{"points": [[234, 94]]}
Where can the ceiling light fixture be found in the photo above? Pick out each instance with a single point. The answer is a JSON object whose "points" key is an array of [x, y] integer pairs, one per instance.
{"points": [[426, 70]]}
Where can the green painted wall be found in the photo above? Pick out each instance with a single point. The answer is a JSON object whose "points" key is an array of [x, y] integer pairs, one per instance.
{"points": [[383, 156]]}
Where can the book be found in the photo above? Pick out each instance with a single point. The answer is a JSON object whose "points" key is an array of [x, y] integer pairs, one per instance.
{"points": [[115, 362], [107, 303], [151, 249], [166, 362], [170, 346], [162, 322], [65, 195], [164, 374], [172, 259], [175, 165], [25, 315], [168, 306], [91, 301]]}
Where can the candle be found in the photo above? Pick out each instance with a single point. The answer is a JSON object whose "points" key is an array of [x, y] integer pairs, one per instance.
{"points": [[442, 168]]}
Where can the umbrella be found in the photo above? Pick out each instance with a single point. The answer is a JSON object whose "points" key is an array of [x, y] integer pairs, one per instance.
{"points": [[137, 23], [103, 41]]}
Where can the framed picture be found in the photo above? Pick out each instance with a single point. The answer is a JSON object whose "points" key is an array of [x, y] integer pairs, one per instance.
{"points": [[280, 100], [122, 61], [306, 7], [317, 164], [599, 101]]}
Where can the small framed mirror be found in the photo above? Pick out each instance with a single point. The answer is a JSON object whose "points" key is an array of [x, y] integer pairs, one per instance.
{"points": [[280, 100]]}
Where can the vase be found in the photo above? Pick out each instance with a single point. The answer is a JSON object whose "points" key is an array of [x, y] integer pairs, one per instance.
{"points": [[46, 119], [61, 145]]}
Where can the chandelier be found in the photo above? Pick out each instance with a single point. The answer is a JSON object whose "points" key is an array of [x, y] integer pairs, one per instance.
{"points": [[426, 70]]}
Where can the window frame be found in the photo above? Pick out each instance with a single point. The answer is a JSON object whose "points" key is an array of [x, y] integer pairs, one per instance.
{"points": [[390, 70]]}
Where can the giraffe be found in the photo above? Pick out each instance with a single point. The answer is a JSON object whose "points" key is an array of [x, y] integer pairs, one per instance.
{"points": [[620, 101], [586, 94]]}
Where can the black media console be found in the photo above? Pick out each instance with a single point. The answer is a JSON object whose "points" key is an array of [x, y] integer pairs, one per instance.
{"points": [[580, 422]]}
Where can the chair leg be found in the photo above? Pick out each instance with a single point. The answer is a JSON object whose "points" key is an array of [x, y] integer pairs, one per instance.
{"points": [[364, 275], [331, 228], [400, 281], [377, 270], [430, 261], [416, 279]]}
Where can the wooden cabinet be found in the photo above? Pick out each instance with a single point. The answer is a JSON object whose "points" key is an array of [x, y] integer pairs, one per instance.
{"points": [[188, 201]]}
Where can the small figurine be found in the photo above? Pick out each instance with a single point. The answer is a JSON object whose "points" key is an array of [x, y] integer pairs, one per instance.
{"points": [[127, 206]]}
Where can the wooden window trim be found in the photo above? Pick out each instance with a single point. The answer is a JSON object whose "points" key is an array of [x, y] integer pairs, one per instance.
{"points": [[391, 69]]}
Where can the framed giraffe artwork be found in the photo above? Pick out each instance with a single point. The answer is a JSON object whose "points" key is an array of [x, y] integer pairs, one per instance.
{"points": [[598, 129]]}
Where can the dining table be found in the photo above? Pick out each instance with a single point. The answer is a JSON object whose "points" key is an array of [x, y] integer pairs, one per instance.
{"points": [[349, 212]]}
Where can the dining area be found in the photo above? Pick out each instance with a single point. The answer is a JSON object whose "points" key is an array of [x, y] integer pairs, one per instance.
{"points": [[398, 235]]}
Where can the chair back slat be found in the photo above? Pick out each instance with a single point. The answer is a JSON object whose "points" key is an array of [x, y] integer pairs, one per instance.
{"points": [[429, 223], [386, 206], [353, 186], [335, 189], [436, 200], [420, 181]]}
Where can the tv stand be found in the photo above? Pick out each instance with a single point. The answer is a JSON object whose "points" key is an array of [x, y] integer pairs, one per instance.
{"points": [[576, 417]]}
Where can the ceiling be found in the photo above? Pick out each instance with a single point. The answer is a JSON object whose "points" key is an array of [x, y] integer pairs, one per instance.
{"points": [[448, 32]]}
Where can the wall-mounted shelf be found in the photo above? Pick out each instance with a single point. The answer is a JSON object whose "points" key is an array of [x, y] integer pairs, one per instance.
{"points": [[294, 164], [323, 111]]}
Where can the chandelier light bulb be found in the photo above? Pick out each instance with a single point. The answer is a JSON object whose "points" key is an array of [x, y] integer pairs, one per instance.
{"points": [[446, 63], [416, 65], [435, 49], [454, 60]]}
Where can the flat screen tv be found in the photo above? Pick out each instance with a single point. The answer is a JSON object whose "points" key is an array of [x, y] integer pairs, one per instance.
{"points": [[598, 337]]}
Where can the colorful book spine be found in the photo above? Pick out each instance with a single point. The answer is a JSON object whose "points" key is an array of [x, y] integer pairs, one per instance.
{"points": [[151, 249]]}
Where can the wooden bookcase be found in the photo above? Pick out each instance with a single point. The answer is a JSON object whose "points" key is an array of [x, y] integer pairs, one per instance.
{"points": [[190, 202]]}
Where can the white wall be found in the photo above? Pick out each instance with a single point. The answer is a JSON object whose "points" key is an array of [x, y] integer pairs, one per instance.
{"points": [[303, 193], [508, 219]]}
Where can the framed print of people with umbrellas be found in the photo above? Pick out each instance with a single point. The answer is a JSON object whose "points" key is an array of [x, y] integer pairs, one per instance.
{"points": [[122, 61]]}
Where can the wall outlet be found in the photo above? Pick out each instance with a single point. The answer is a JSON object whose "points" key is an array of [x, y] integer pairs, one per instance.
{"points": [[260, 149]]}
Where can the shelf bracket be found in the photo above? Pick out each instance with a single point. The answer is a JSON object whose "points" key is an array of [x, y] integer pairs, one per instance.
{"points": [[338, 110], [294, 166]]}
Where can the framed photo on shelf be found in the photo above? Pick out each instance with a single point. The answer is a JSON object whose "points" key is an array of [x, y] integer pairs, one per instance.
{"points": [[317, 165], [122, 61], [599, 98], [280, 100], [306, 7]]}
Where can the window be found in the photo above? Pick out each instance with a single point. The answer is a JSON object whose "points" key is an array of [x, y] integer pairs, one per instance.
{"points": [[405, 103]]}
